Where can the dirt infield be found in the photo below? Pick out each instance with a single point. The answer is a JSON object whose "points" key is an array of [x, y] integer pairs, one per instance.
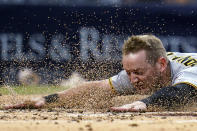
{"points": [[61, 119], [45, 120]]}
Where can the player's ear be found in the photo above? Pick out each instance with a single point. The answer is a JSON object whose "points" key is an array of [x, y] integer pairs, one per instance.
{"points": [[162, 64]]}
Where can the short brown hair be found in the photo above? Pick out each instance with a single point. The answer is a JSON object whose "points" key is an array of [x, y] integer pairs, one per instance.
{"points": [[150, 43]]}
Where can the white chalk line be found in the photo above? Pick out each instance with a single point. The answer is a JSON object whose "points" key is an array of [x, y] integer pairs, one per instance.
{"points": [[120, 121]]}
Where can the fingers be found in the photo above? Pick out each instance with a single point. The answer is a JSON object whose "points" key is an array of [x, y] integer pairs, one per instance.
{"points": [[136, 106], [17, 106], [28, 104], [25, 105], [122, 109], [7, 107]]}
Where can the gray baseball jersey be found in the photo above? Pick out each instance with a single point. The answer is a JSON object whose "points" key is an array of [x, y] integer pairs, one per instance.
{"points": [[183, 70]]}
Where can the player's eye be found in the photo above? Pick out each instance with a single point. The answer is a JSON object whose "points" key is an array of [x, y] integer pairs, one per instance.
{"points": [[135, 72], [128, 72], [138, 72]]}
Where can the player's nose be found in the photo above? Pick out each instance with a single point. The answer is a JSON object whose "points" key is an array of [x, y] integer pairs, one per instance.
{"points": [[133, 78]]}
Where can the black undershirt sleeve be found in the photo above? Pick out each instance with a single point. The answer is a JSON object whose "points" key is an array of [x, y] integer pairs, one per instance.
{"points": [[173, 96]]}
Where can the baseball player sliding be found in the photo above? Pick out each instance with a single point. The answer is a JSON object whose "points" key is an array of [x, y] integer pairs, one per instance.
{"points": [[170, 77]]}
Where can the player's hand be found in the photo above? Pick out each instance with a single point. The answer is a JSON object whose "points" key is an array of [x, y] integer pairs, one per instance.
{"points": [[29, 104], [136, 106]]}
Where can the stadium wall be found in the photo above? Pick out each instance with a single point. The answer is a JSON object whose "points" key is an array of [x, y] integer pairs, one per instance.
{"points": [[55, 41]]}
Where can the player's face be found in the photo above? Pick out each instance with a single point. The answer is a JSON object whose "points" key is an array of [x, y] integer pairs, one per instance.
{"points": [[143, 76]]}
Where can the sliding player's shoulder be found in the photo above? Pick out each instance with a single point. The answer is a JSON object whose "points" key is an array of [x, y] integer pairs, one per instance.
{"points": [[185, 60]]}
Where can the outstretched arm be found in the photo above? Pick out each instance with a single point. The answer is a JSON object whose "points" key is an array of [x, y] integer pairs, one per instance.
{"points": [[167, 97], [84, 90], [88, 87]]}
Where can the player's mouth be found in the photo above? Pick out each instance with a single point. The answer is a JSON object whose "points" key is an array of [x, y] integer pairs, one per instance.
{"points": [[139, 86]]}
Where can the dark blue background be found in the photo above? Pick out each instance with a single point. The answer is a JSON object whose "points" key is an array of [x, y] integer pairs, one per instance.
{"points": [[165, 21]]}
